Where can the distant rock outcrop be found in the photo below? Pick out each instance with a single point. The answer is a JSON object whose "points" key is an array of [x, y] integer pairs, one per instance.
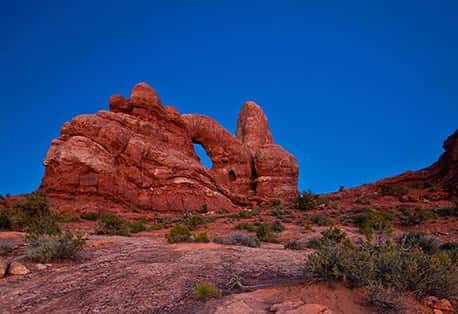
{"points": [[140, 155]]}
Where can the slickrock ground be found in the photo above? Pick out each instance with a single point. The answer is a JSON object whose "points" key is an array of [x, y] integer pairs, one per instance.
{"points": [[142, 275]]}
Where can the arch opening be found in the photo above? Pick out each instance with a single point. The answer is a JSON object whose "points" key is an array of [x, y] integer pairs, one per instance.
{"points": [[203, 156]]}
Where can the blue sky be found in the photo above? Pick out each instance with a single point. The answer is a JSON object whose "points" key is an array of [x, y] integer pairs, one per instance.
{"points": [[356, 90]]}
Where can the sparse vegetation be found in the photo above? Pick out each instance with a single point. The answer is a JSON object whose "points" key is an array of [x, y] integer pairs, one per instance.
{"points": [[387, 264], [32, 215], [277, 226], [92, 216], [320, 219], [246, 226], [5, 223], [111, 224], [238, 238], [392, 190], [67, 218], [45, 247], [420, 240], [265, 232], [371, 221], [201, 237], [179, 233], [385, 299], [414, 216], [306, 201], [137, 226], [451, 211], [204, 291], [293, 245], [245, 214]]}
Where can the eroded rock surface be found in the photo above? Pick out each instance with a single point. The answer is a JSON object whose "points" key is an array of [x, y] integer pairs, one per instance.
{"points": [[144, 275], [140, 155]]}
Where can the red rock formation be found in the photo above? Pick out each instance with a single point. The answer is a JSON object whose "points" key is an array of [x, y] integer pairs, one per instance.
{"points": [[434, 186], [141, 155]]}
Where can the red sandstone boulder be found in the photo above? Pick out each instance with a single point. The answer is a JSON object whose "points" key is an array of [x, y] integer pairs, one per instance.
{"points": [[141, 155]]}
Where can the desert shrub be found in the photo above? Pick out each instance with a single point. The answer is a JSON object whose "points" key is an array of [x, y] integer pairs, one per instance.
{"points": [[414, 216], [201, 237], [204, 291], [265, 232], [334, 234], [44, 248], [447, 211], [451, 249], [275, 203], [341, 188], [5, 223], [33, 215], [156, 226], [245, 214], [238, 238], [388, 264], [385, 299], [371, 221], [392, 190], [92, 216], [246, 226], [421, 240], [195, 220], [179, 233], [293, 245], [362, 200], [320, 219], [276, 212], [66, 218], [306, 201], [137, 226], [277, 226], [313, 243], [111, 224], [5, 248]]}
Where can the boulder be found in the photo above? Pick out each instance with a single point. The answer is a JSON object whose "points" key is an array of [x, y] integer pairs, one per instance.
{"points": [[17, 269], [3, 267]]}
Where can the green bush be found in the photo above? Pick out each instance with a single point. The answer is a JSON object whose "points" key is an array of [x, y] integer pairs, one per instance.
{"points": [[195, 220], [370, 222], [92, 216], [451, 249], [67, 218], [179, 233], [5, 223], [392, 190], [414, 216], [313, 243], [421, 240], [277, 226], [265, 232], [204, 291], [44, 248], [238, 238], [137, 226], [33, 215], [320, 219], [447, 211], [245, 214], [201, 237], [306, 201], [246, 226], [388, 264], [111, 224], [293, 245], [385, 299]]}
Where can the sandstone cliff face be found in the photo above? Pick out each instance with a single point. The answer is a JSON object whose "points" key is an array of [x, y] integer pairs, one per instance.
{"points": [[140, 155]]}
